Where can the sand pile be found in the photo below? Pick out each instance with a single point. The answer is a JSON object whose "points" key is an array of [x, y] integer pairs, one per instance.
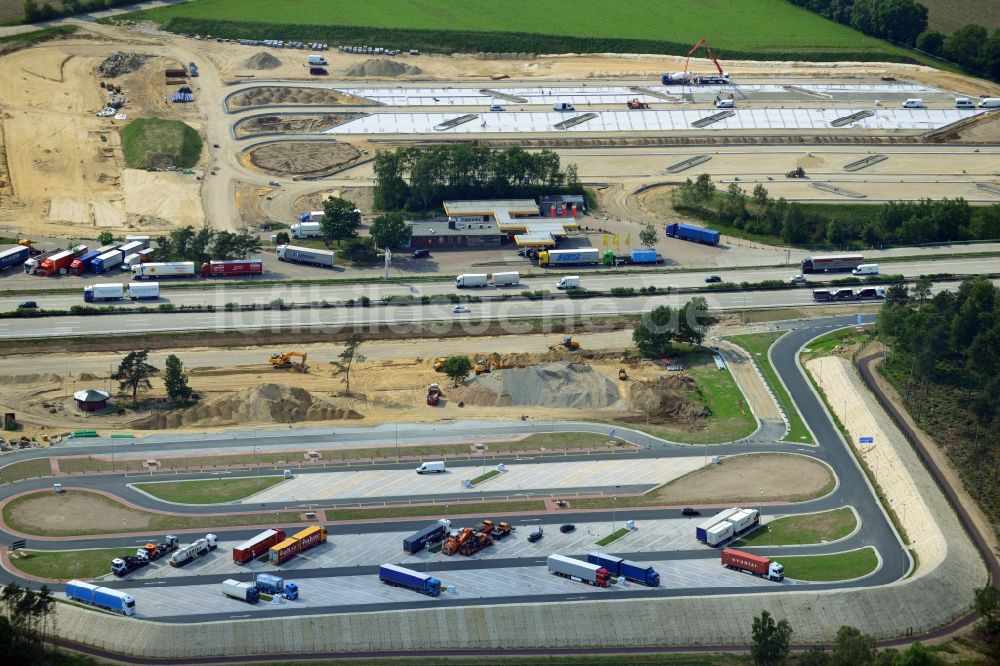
{"points": [[263, 60], [383, 67], [670, 399], [264, 403], [37, 378], [563, 385]]}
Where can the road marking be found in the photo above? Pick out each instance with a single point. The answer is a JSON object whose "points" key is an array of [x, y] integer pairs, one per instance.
{"points": [[155, 582]]}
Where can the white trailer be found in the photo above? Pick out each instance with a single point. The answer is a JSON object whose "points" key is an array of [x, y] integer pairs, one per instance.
{"points": [[185, 554], [472, 280], [701, 530], [138, 239], [144, 291], [162, 270], [716, 534], [104, 292], [506, 279], [743, 519], [132, 247], [578, 570], [305, 255], [305, 230]]}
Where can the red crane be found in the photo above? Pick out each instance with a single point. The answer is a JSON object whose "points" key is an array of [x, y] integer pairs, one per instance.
{"points": [[702, 42]]}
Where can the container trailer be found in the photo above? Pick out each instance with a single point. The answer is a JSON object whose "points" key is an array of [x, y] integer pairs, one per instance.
{"points": [[692, 233], [201, 547], [719, 533], [582, 257], [270, 584], [104, 292], [431, 534], [297, 543], [825, 263], [102, 597], [304, 255], [163, 270], [306, 229], [744, 520], [13, 256], [471, 280], [757, 565], [701, 530], [398, 576], [106, 261], [232, 268], [253, 548], [638, 573], [506, 279], [242, 591], [579, 570]]}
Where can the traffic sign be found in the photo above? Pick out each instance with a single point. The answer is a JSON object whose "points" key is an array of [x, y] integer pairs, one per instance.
{"points": [[20, 543], [857, 318], [866, 440]]}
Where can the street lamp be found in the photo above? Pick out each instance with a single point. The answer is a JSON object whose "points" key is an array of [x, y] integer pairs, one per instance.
{"points": [[255, 455], [614, 512], [396, 423]]}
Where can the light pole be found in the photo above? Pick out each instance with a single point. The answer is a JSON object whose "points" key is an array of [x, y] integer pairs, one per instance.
{"points": [[255, 455], [396, 424], [614, 512]]}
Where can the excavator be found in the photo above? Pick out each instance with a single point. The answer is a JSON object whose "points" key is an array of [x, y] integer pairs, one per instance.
{"points": [[568, 344], [284, 361], [487, 364], [439, 363]]}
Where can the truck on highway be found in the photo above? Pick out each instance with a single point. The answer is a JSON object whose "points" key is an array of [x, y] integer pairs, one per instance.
{"points": [[271, 584], [102, 597], [199, 548], [144, 291], [578, 570], [692, 233], [433, 533], [104, 292], [32, 265], [106, 261], [56, 263], [398, 576], [506, 279], [13, 256], [865, 269], [637, 573], [258, 546], [122, 566], [826, 263], [163, 270], [231, 268], [305, 229], [568, 282], [758, 565], [242, 591], [642, 256], [305, 255], [587, 256], [471, 280]]}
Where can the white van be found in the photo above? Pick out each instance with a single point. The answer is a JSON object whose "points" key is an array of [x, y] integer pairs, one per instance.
{"points": [[913, 103], [964, 103], [568, 282], [725, 104], [989, 103], [434, 467], [866, 269], [563, 106]]}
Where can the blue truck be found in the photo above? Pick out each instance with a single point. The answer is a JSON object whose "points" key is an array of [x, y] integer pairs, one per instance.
{"points": [[419, 540], [692, 233], [102, 597], [642, 256], [270, 584], [637, 573], [14, 256], [242, 591], [398, 576]]}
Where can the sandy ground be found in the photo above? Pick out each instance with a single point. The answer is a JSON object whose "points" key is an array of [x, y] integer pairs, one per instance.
{"points": [[158, 202], [63, 512]]}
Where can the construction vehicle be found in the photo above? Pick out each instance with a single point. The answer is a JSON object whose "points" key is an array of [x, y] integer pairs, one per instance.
{"points": [[622, 375], [722, 78], [433, 394], [122, 566], [284, 361], [487, 364], [797, 172], [455, 541], [499, 530], [568, 344], [467, 541], [439, 363], [635, 105]]}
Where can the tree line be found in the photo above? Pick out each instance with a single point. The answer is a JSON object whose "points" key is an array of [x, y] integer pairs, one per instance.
{"points": [[420, 179], [35, 12], [905, 22], [199, 245], [896, 222]]}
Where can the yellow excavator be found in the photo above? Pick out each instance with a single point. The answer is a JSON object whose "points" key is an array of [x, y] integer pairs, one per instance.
{"points": [[486, 364], [284, 361], [568, 344]]}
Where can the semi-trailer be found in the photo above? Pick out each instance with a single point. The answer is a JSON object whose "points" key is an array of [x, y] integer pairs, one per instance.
{"points": [[122, 566], [81, 264], [398, 576], [102, 597], [145, 291], [242, 591], [701, 530], [471, 280], [232, 268], [304, 255], [431, 534], [139, 239], [131, 247], [506, 279], [582, 257], [297, 543], [163, 270], [744, 520], [271, 584], [56, 263], [104, 292], [306, 229], [579, 570], [825, 263], [635, 257], [31, 265], [193, 551], [719, 533], [692, 233], [106, 261], [13, 256], [758, 565], [638, 573], [258, 546], [154, 551]]}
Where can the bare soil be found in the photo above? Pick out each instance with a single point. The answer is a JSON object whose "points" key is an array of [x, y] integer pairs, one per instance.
{"points": [[302, 157], [291, 124], [287, 95], [55, 513]]}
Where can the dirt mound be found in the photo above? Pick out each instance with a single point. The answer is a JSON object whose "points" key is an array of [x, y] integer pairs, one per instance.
{"points": [[671, 399], [37, 378], [266, 402], [383, 67], [90, 377], [562, 384], [262, 60]]}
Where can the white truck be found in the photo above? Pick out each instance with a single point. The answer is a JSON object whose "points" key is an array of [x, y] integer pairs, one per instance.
{"points": [[866, 269], [305, 255], [161, 270], [471, 280], [131, 260], [144, 291], [104, 292], [989, 103], [201, 547], [578, 570], [317, 60], [305, 230], [568, 282], [743, 520], [31, 265], [432, 467], [506, 279], [718, 533]]}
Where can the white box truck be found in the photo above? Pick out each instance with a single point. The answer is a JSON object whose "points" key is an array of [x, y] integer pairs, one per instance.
{"points": [[506, 279], [144, 291], [568, 282], [866, 269], [718, 533], [305, 230], [104, 292], [305, 255], [471, 280]]}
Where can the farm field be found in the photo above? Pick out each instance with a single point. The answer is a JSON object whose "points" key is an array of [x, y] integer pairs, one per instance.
{"points": [[946, 15], [736, 29]]}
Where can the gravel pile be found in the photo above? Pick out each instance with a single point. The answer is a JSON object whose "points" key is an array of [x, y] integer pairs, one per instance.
{"points": [[563, 385], [383, 67], [263, 60], [119, 63]]}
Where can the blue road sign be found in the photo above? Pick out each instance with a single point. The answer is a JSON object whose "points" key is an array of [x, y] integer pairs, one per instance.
{"points": [[857, 318], [612, 433], [866, 440]]}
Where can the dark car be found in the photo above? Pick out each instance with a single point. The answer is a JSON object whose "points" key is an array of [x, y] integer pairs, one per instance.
{"points": [[688, 511], [420, 254], [567, 528], [713, 278], [535, 536], [27, 305]]}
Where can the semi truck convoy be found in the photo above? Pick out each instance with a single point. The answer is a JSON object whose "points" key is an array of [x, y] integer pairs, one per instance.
{"points": [[102, 597], [232, 268], [13, 256], [305, 229], [431, 534], [506, 279], [201, 547], [587, 256], [471, 280], [242, 591], [398, 576], [258, 546], [758, 565], [692, 233], [825, 263], [270, 584], [116, 291], [579, 570], [304, 255], [638, 573], [163, 270], [297, 543]]}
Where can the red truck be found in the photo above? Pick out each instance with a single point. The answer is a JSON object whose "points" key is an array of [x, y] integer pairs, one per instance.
{"points": [[56, 263], [433, 394], [232, 268], [757, 565], [259, 545]]}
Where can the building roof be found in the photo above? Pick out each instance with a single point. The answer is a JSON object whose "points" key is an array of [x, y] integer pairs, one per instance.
{"points": [[444, 228], [91, 395], [489, 207], [561, 198]]}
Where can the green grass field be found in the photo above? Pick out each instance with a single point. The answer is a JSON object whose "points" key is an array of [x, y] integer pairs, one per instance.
{"points": [[68, 564], [152, 142], [840, 566], [799, 530], [26, 469], [750, 27], [212, 491]]}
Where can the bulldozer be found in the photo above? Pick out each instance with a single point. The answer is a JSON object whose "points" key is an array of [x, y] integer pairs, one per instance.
{"points": [[635, 105], [568, 344], [284, 361], [797, 172]]}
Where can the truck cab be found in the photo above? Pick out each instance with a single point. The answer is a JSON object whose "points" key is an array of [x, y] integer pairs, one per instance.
{"points": [[776, 572]]}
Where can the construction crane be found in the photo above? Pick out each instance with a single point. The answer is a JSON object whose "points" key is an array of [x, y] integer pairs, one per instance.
{"points": [[687, 72], [284, 361]]}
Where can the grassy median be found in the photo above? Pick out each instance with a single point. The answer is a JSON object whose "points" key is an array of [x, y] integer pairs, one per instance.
{"points": [[839, 566], [807, 529], [211, 491], [67, 564]]}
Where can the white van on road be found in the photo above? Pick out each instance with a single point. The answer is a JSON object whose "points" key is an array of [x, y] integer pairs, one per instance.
{"points": [[990, 103], [563, 106], [913, 103], [434, 467], [866, 269], [964, 103]]}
